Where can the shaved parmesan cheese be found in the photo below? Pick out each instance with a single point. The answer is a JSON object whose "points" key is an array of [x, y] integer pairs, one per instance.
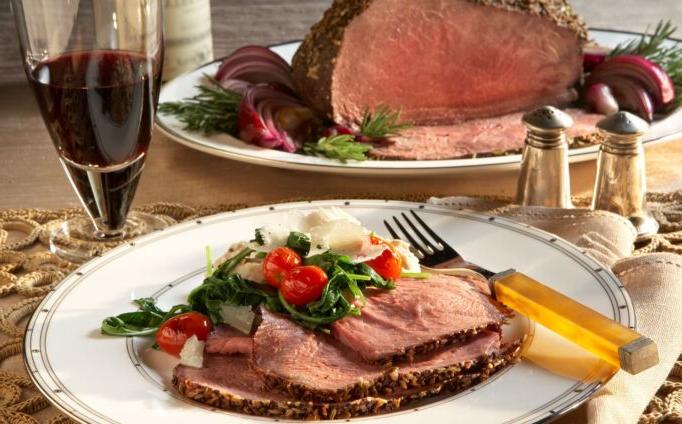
{"points": [[192, 353], [410, 261], [328, 229], [252, 271], [238, 317], [323, 216], [341, 236]]}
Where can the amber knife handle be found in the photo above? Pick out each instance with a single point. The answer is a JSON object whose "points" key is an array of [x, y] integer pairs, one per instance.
{"points": [[611, 341]]}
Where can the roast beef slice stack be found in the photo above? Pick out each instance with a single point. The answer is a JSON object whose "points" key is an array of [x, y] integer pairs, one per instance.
{"points": [[440, 61], [442, 336], [229, 382], [422, 333]]}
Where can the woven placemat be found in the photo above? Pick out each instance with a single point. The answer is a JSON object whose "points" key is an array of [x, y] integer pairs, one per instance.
{"points": [[28, 271]]}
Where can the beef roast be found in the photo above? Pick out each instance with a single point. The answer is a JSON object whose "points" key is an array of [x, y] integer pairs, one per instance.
{"points": [[225, 340], [312, 366], [440, 61], [228, 382], [498, 135], [419, 315]]}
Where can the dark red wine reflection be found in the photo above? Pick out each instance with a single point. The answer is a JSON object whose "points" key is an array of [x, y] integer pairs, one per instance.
{"points": [[99, 107]]}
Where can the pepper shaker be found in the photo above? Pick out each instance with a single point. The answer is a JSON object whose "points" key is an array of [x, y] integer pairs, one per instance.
{"points": [[621, 175], [544, 179]]}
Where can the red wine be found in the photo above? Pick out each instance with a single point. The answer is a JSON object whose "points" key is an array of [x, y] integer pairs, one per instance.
{"points": [[99, 108]]}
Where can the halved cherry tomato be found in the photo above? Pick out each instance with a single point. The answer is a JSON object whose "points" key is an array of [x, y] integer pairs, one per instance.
{"points": [[389, 264], [303, 284], [173, 334], [276, 264]]}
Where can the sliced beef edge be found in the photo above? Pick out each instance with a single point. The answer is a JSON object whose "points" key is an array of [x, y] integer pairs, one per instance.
{"points": [[243, 391]]}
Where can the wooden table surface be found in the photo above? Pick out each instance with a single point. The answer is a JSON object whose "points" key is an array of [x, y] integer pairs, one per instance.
{"points": [[30, 174]]}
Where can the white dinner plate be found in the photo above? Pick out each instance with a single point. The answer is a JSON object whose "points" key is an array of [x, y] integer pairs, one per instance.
{"points": [[229, 147], [99, 379]]}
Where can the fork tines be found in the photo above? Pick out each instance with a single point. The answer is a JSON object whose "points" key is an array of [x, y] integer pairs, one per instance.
{"points": [[430, 251]]}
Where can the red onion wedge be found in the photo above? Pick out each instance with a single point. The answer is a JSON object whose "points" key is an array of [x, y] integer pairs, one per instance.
{"points": [[638, 69], [594, 56], [255, 65], [632, 96], [273, 119], [599, 98]]}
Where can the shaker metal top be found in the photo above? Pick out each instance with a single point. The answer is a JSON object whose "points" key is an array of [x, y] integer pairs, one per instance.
{"points": [[547, 119], [624, 124]]}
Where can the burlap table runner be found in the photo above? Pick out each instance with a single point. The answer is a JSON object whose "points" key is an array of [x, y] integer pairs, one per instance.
{"points": [[28, 272]]}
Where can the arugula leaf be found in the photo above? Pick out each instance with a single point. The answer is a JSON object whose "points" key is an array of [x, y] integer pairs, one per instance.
{"points": [[376, 280], [382, 123], [233, 289], [341, 147], [144, 322], [299, 242], [229, 265], [328, 261]]}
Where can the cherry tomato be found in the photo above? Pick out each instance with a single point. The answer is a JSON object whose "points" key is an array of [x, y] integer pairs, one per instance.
{"points": [[303, 284], [173, 334], [389, 264], [277, 263]]}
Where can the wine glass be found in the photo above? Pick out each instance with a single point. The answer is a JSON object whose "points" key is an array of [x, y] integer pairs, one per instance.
{"points": [[95, 69]]}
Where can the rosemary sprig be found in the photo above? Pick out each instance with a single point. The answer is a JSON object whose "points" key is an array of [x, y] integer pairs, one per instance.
{"points": [[213, 110], [652, 47], [382, 123], [341, 147]]}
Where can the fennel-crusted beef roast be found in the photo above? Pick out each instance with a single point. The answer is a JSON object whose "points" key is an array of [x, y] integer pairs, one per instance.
{"points": [[312, 366], [229, 382], [418, 316], [440, 61]]}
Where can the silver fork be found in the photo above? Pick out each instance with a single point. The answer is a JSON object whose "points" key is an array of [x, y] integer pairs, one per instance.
{"points": [[620, 346], [433, 254]]}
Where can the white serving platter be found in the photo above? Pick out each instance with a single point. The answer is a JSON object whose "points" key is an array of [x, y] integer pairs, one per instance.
{"points": [[229, 147]]}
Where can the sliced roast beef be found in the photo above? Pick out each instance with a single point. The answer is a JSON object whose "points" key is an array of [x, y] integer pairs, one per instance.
{"points": [[476, 137], [418, 316], [440, 61], [228, 382], [311, 366], [226, 340]]}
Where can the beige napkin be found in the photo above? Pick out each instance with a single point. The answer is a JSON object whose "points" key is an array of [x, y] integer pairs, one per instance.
{"points": [[654, 282]]}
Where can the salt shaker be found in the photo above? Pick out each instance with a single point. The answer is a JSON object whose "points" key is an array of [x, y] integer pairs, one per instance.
{"points": [[621, 176], [544, 179]]}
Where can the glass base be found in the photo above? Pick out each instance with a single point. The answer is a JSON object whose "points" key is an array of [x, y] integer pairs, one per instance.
{"points": [[78, 240]]}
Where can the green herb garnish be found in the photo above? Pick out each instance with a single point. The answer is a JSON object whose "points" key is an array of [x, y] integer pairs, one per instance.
{"points": [[341, 147], [299, 242], [382, 123], [651, 46], [218, 289], [213, 110], [143, 322]]}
